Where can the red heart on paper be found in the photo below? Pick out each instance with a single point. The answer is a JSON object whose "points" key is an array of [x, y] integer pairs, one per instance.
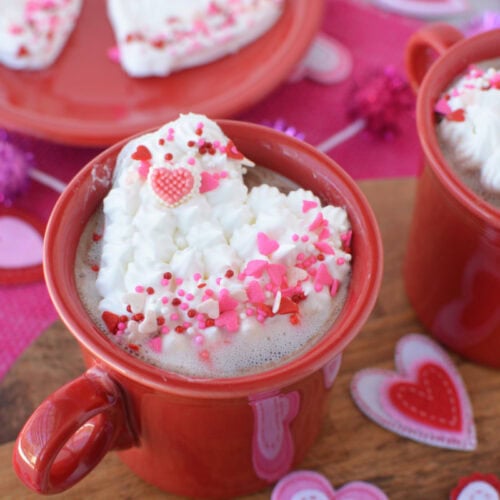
{"points": [[432, 400], [172, 186], [424, 399]]}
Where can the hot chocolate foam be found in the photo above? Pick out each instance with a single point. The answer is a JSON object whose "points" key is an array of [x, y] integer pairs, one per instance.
{"points": [[198, 274], [469, 132]]}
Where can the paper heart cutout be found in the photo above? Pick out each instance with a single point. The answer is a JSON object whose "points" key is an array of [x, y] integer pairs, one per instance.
{"points": [[327, 62], [172, 186], [21, 243], [308, 485], [424, 368], [477, 487], [424, 8]]}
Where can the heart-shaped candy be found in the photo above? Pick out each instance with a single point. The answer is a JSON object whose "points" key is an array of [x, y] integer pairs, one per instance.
{"points": [[309, 485], [425, 8], [172, 186], [20, 247], [424, 400]]}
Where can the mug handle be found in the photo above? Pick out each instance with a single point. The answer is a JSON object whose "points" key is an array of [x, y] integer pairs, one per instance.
{"points": [[70, 432], [422, 47]]}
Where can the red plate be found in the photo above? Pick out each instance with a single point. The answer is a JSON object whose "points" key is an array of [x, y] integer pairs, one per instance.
{"points": [[85, 99]]}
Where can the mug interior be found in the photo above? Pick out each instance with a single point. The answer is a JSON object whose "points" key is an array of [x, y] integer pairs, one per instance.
{"points": [[288, 156], [439, 77]]}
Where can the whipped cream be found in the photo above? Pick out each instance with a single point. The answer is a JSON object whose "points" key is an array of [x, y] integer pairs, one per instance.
{"points": [[200, 275], [34, 32], [157, 37], [470, 129]]}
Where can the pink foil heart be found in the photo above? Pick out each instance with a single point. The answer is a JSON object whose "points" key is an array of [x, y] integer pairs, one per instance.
{"points": [[424, 8], [424, 399], [172, 186], [309, 485]]}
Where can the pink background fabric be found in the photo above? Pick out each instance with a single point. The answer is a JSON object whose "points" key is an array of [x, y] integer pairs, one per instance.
{"points": [[376, 40]]}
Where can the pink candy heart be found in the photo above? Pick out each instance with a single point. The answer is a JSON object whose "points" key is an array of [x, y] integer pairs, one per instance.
{"points": [[308, 485], [424, 399], [172, 186]]}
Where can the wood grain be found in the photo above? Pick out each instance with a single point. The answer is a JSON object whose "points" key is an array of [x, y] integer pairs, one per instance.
{"points": [[350, 448]]}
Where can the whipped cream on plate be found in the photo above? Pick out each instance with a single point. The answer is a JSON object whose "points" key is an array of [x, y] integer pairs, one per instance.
{"points": [[197, 273], [34, 32], [470, 129], [157, 37]]}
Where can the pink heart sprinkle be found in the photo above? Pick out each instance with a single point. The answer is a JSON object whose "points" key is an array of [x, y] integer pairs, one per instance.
{"points": [[255, 268], [229, 320], [322, 278], [265, 244], [308, 205], [226, 302], [276, 273], [209, 182], [172, 186], [255, 293], [324, 247]]}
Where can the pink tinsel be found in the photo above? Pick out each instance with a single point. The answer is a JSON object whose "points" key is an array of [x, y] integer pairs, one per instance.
{"points": [[383, 100], [14, 168]]}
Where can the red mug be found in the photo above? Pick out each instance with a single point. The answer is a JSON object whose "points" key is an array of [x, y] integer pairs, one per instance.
{"points": [[452, 264], [213, 438]]}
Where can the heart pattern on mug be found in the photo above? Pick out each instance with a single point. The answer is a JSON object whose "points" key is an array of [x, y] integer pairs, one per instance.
{"points": [[424, 399], [21, 241], [327, 62], [272, 443], [172, 186], [425, 8], [309, 485]]}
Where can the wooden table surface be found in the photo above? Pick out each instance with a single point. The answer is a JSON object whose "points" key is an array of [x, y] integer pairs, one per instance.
{"points": [[350, 447]]}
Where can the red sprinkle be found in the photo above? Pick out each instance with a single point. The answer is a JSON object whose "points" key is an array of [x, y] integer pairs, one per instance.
{"points": [[180, 329], [294, 319], [191, 143], [160, 320], [456, 116], [129, 308], [229, 273], [96, 237], [111, 320], [191, 313], [95, 268], [168, 156], [134, 347], [209, 322], [167, 276], [150, 290], [138, 317], [176, 301]]}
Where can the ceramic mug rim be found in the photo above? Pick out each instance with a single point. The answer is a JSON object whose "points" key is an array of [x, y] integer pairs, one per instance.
{"points": [[105, 353], [459, 56]]}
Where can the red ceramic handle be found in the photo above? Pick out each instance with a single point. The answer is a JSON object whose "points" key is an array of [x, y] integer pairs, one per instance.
{"points": [[422, 48], [70, 432]]}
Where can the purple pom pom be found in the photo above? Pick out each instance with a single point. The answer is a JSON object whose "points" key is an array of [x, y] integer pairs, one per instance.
{"points": [[14, 168], [384, 101], [282, 126]]}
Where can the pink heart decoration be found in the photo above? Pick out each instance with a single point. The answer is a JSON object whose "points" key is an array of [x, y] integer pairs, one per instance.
{"points": [[308, 485], [327, 62], [265, 244], [21, 242], [172, 186], [209, 182], [424, 400], [425, 8], [273, 447], [477, 486]]}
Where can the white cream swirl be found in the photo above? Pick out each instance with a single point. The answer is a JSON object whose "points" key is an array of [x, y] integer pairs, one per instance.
{"points": [[203, 275], [470, 130]]}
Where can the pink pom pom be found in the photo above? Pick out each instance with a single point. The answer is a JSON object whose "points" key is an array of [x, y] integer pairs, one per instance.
{"points": [[384, 101], [14, 168]]}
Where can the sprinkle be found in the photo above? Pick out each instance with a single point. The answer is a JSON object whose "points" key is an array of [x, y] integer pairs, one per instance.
{"points": [[456, 116], [142, 153], [184, 306], [442, 107], [294, 319], [304, 238], [121, 326], [96, 237], [169, 156], [249, 312], [155, 344], [308, 205], [167, 276], [139, 289], [255, 268], [324, 248], [174, 316], [189, 296], [334, 288], [197, 276], [265, 244], [165, 330], [204, 355], [150, 290], [160, 320], [164, 300], [324, 234], [295, 237], [226, 302], [229, 273], [223, 174], [229, 320], [317, 222], [276, 273], [176, 301], [179, 281], [180, 329], [191, 161], [199, 339], [164, 282], [191, 313], [254, 292], [134, 347], [322, 277], [95, 268], [181, 292], [340, 261]]}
